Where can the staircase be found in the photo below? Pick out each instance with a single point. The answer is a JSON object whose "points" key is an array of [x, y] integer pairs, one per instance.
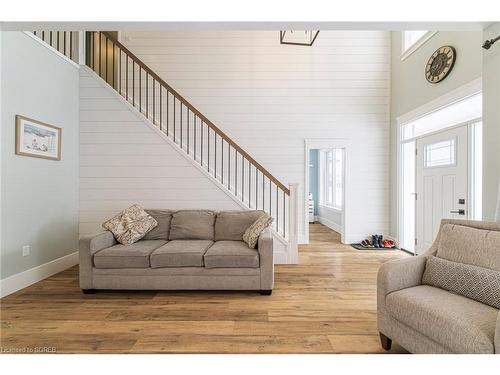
{"points": [[195, 135]]}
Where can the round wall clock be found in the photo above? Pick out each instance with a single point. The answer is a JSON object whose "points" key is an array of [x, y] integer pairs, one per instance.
{"points": [[440, 64]]}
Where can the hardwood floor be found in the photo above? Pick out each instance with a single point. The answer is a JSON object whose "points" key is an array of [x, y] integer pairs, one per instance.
{"points": [[326, 304]]}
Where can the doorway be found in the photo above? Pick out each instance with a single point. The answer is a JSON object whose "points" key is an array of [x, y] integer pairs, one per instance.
{"points": [[326, 181], [440, 158]]}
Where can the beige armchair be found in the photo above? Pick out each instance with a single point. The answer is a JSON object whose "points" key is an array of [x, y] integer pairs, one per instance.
{"points": [[428, 319]]}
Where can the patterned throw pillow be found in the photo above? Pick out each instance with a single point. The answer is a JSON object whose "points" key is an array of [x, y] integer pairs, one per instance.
{"points": [[477, 283], [130, 225], [251, 235]]}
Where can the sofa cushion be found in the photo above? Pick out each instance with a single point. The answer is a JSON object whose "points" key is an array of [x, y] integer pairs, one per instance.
{"points": [[231, 254], [468, 245], [135, 255], [180, 253], [458, 323], [477, 283], [130, 225], [192, 225], [162, 230], [251, 235], [230, 225]]}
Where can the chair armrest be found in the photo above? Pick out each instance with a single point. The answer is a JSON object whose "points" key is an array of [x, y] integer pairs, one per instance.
{"points": [[89, 245], [392, 276], [266, 260], [400, 274], [497, 335]]}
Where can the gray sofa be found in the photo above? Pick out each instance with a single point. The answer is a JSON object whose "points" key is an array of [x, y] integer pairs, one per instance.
{"points": [[427, 319], [188, 250]]}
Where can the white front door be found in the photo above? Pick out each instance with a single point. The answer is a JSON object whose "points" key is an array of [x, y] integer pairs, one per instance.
{"points": [[442, 182]]}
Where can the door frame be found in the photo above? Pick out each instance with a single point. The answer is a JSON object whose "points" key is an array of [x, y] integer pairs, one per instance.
{"points": [[471, 88], [313, 144]]}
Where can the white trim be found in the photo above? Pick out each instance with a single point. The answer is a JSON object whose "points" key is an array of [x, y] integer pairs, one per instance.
{"points": [[472, 171], [330, 224], [329, 143], [415, 46], [24, 279], [330, 207], [497, 213], [50, 48], [450, 97], [293, 227], [280, 257], [458, 125], [468, 89]]}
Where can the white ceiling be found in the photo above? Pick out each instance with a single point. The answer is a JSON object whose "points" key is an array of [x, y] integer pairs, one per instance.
{"points": [[191, 26]]}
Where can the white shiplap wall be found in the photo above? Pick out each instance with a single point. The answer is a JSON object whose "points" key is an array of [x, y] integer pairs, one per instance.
{"points": [[269, 98], [123, 161]]}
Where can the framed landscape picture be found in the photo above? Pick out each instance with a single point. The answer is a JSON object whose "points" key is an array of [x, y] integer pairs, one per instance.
{"points": [[37, 139]]}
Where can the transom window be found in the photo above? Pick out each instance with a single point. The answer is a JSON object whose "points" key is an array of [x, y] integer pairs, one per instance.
{"points": [[331, 168], [412, 37], [459, 112], [412, 40]]}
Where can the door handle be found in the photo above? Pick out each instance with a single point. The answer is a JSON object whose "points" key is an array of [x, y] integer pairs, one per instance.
{"points": [[460, 212]]}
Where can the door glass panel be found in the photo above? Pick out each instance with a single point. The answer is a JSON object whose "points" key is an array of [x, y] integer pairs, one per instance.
{"points": [[439, 154]]}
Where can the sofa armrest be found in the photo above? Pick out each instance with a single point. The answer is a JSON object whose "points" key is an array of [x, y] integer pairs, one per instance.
{"points": [[396, 275], [266, 259], [497, 335], [89, 245]]}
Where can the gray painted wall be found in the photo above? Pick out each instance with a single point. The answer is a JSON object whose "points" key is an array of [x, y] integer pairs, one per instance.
{"points": [[39, 197], [409, 88], [491, 123]]}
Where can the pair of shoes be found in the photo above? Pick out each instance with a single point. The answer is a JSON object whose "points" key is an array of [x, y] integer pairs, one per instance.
{"points": [[377, 241], [389, 244], [366, 243]]}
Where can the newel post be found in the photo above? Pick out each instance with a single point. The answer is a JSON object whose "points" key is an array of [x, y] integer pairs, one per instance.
{"points": [[293, 227]]}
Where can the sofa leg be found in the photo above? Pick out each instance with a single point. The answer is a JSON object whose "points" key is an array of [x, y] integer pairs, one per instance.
{"points": [[385, 341], [266, 292], [88, 291]]}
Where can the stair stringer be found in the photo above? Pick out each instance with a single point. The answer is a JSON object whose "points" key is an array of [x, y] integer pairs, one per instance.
{"points": [[281, 246]]}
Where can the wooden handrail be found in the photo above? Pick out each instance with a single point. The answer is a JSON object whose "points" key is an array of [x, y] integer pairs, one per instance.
{"points": [[209, 123], [249, 188]]}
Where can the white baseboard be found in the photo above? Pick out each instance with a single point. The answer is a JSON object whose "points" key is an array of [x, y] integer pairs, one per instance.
{"points": [[302, 240], [24, 279], [330, 224], [280, 258]]}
